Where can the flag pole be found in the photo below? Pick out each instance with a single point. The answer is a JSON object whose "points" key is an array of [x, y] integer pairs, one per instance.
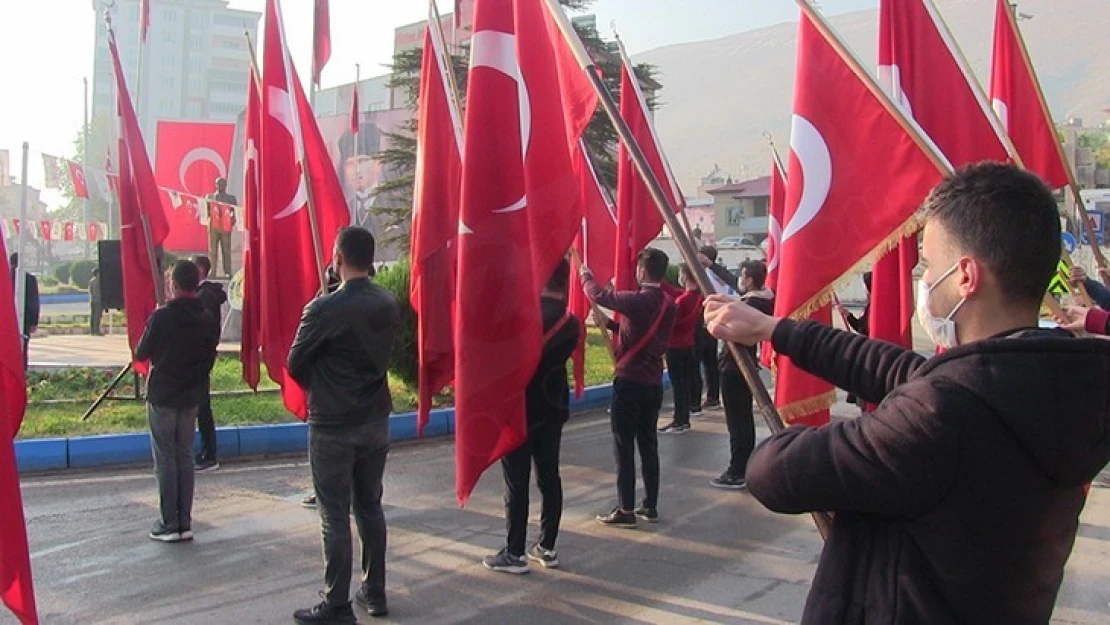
{"points": [[314, 227], [21, 246], [312, 76], [84, 163], [1073, 183], [446, 54], [599, 317], [743, 357]]}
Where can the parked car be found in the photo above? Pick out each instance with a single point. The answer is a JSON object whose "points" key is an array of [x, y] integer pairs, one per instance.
{"points": [[735, 242]]}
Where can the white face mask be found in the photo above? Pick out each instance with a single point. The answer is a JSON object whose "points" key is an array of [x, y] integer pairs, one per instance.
{"points": [[940, 330]]}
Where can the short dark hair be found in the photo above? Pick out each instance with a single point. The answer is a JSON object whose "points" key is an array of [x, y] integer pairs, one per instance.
{"points": [[756, 270], [203, 263], [560, 278], [13, 260], [867, 281], [1006, 218], [357, 246], [684, 271], [654, 263], [709, 252], [186, 275]]}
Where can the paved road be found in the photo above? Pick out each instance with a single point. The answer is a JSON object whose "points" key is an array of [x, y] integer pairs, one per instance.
{"points": [[716, 557]]}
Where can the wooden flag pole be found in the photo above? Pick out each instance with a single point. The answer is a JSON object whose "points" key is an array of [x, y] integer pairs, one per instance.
{"points": [[445, 55], [743, 357]]}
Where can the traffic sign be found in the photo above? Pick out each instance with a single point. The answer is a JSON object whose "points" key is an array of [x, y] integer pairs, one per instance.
{"points": [[1070, 242]]}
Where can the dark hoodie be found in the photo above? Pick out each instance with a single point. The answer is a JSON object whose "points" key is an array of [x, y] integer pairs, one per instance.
{"points": [[958, 499], [180, 342]]}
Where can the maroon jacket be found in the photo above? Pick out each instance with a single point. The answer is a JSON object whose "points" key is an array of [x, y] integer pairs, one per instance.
{"points": [[687, 313], [639, 310]]}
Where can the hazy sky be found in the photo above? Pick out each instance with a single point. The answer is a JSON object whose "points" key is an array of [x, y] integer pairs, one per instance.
{"points": [[46, 49]]}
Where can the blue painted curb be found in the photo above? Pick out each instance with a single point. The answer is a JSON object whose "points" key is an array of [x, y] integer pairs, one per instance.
{"points": [[254, 440], [64, 298]]}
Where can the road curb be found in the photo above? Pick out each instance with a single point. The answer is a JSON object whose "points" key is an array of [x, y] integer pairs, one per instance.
{"points": [[83, 452]]}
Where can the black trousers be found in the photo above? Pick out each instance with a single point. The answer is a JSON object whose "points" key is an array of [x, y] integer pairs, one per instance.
{"points": [[682, 368], [206, 424], [347, 467], [96, 312], [706, 360], [634, 419], [542, 447], [740, 419]]}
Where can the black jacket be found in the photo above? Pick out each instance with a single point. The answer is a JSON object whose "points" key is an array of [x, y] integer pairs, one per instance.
{"points": [[548, 394], [31, 304], [180, 341], [341, 354], [212, 295], [762, 300], [958, 499]]}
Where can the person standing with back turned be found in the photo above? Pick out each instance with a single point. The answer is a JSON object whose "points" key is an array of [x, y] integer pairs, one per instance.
{"points": [[647, 316], [341, 357]]}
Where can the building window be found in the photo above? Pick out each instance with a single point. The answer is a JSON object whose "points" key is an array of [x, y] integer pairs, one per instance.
{"points": [[734, 216], [761, 207]]}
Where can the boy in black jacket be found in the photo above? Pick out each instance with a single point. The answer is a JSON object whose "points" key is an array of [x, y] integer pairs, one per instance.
{"points": [[180, 343], [957, 500], [212, 295], [547, 400]]}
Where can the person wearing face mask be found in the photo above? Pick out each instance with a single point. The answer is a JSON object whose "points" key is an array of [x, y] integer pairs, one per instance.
{"points": [[340, 356], [957, 500]]}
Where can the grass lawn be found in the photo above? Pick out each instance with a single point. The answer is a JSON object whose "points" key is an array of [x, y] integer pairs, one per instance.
{"points": [[48, 420]]}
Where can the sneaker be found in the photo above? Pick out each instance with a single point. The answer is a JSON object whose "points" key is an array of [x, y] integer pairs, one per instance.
{"points": [[651, 515], [712, 405], [695, 412], [505, 562], [618, 518], [548, 558], [323, 613], [374, 606], [309, 502], [186, 534], [163, 534], [675, 428], [729, 481], [204, 465]]}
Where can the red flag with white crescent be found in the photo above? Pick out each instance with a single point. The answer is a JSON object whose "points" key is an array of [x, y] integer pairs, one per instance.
{"points": [[77, 177], [191, 156], [528, 103], [251, 334]]}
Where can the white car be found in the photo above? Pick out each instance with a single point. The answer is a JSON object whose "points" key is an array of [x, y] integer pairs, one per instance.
{"points": [[735, 242]]}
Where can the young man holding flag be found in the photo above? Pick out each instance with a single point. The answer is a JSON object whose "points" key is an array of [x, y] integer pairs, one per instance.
{"points": [[647, 317], [957, 499]]}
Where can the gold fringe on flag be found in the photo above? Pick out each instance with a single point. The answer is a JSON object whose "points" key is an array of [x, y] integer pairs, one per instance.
{"points": [[804, 408]]}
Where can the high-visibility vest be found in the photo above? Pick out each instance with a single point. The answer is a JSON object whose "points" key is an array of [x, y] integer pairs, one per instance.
{"points": [[220, 216]]}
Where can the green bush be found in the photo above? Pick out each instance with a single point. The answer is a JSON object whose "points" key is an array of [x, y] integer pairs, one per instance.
{"points": [[672, 274], [404, 361], [81, 272], [61, 272], [49, 281]]}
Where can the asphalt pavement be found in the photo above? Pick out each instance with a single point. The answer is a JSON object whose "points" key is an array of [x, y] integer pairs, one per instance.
{"points": [[716, 557]]}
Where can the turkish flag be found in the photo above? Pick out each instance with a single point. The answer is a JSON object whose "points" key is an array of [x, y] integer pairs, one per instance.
{"points": [[77, 176], [321, 39], [435, 224], [924, 73], [528, 103], [191, 156], [143, 225], [774, 242], [638, 219], [251, 333], [595, 247], [46, 230], [1017, 98], [16, 588], [856, 177], [70, 231], [292, 151], [354, 111]]}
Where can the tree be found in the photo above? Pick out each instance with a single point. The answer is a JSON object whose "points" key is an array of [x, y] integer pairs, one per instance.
{"points": [[99, 137], [400, 158]]}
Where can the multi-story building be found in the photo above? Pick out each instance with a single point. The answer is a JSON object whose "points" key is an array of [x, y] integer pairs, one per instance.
{"points": [[195, 63], [741, 210], [1089, 172]]}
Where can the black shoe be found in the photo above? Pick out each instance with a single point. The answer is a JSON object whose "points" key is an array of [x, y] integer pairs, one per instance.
{"points": [[675, 428], [505, 562], [651, 515], [205, 465], [309, 502], [163, 534], [375, 606], [729, 481], [548, 558], [618, 518], [712, 405], [324, 614], [695, 412]]}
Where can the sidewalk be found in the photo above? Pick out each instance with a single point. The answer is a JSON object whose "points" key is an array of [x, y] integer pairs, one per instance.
{"points": [[83, 350]]}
